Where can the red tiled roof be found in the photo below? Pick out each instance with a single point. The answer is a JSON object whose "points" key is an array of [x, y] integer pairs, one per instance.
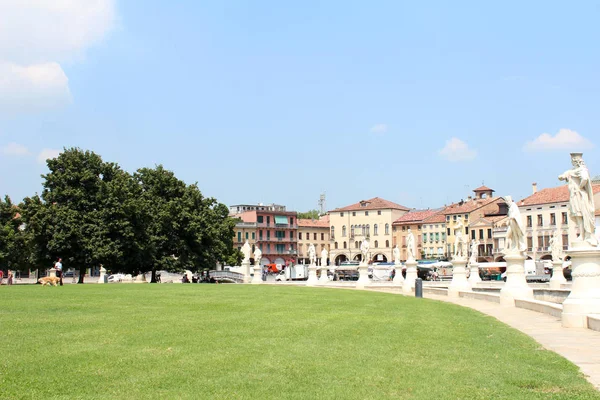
{"points": [[322, 222], [558, 194], [436, 218], [483, 189], [375, 203], [468, 206], [415, 216]]}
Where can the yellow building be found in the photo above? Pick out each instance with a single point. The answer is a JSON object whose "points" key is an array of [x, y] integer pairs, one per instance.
{"points": [[315, 231], [371, 219], [472, 210]]}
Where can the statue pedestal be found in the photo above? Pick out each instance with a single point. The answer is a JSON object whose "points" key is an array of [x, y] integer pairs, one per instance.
{"points": [[52, 272], [558, 277], [323, 279], [246, 271], [411, 275], [257, 278], [398, 278], [516, 284], [363, 275], [102, 278], [459, 278], [312, 275], [585, 292], [474, 277]]}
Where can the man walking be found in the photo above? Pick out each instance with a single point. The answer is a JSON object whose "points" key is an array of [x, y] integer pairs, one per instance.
{"points": [[59, 270]]}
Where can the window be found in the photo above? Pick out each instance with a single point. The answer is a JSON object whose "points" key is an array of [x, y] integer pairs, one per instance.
{"points": [[341, 214], [291, 234], [489, 233], [368, 230], [354, 213], [378, 212], [529, 243], [473, 235], [552, 219], [322, 236], [444, 235], [333, 232], [315, 236], [481, 234], [268, 235], [419, 227], [403, 228], [280, 248], [268, 248], [448, 229], [376, 244], [529, 222], [387, 243], [565, 221], [387, 229], [540, 220], [352, 231], [466, 231], [299, 235], [375, 230], [345, 246], [247, 234], [335, 245], [344, 230], [356, 244], [239, 236], [291, 221], [260, 219], [437, 236], [424, 237], [253, 235], [260, 235], [447, 218], [268, 220]]}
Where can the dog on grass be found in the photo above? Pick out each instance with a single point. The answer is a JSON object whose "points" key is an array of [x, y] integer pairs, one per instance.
{"points": [[49, 280]]}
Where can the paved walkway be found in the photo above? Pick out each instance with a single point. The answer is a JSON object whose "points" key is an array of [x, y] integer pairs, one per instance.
{"points": [[578, 345]]}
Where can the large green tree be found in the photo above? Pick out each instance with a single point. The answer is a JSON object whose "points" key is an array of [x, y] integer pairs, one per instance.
{"points": [[311, 214]]}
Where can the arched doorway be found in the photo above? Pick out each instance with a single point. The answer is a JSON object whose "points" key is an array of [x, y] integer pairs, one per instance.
{"points": [[358, 257], [340, 258], [279, 260], [264, 261], [500, 259], [379, 257], [546, 257]]}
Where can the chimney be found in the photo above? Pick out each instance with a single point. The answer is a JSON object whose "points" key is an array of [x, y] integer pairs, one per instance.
{"points": [[534, 187], [469, 198]]}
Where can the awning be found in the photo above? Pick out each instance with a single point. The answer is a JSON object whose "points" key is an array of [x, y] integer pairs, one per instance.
{"points": [[281, 220]]}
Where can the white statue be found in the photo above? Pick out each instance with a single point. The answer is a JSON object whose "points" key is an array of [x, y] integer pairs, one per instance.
{"points": [[312, 254], [257, 255], [556, 246], [410, 245], [581, 202], [474, 251], [364, 249], [396, 255], [460, 242], [246, 250], [515, 235], [324, 255]]}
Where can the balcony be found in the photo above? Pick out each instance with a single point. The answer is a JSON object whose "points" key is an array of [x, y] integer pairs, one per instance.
{"points": [[500, 229], [276, 239], [245, 225]]}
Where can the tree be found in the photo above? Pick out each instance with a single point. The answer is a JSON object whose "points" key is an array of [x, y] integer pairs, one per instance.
{"points": [[312, 214]]}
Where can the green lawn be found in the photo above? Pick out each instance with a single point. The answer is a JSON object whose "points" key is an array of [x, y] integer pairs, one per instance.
{"points": [[166, 341]]}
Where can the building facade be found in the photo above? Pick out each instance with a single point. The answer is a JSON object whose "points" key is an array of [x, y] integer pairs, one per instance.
{"points": [[434, 236], [371, 219], [315, 232], [414, 220]]}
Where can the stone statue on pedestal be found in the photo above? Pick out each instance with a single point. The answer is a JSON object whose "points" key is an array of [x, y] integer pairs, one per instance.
{"points": [[515, 235], [581, 201], [324, 255], [246, 250], [410, 245], [474, 251], [396, 255], [257, 255], [364, 249], [460, 242], [312, 254], [556, 246]]}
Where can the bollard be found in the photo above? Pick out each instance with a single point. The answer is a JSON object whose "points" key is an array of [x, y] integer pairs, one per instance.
{"points": [[418, 287]]}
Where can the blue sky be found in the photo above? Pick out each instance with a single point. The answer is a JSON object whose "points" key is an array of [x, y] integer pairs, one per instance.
{"points": [[415, 102]]}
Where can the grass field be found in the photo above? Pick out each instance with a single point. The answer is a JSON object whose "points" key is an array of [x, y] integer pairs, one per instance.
{"points": [[264, 342]]}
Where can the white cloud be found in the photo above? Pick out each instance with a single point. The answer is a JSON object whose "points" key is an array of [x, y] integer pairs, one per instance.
{"points": [[36, 36], [565, 139], [33, 87], [46, 154], [14, 149], [379, 128], [457, 150]]}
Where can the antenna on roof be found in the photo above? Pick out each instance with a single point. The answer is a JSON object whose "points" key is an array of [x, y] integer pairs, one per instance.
{"points": [[322, 204]]}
